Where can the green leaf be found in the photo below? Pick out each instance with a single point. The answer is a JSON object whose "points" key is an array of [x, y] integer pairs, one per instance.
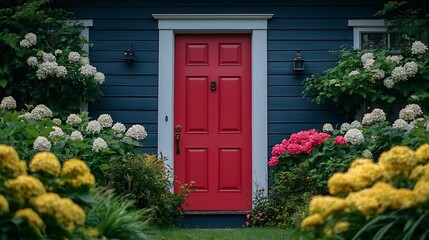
{"points": [[3, 83]]}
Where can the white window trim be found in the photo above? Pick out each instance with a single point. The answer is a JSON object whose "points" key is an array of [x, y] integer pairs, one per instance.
{"points": [[256, 24], [363, 25]]}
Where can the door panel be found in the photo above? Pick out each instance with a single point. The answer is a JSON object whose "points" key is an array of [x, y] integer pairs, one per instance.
{"points": [[212, 104]]}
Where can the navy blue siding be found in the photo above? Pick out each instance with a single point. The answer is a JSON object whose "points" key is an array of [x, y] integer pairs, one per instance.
{"points": [[131, 90]]}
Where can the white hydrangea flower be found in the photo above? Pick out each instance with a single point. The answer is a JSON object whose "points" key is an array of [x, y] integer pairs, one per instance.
{"points": [[355, 124], [367, 153], [366, 56], [46, 69], [344, 127], [119, 128], [327, 127], [27, 116], [378, 115], [354, 136], [88, 70], [84, 60], [32, 61], [98, 145], [418, 48], [367, 119], [58, 52], [401, 124], [74, 56], [73, 119], [30, 39], [353, 73], [368, 64], [389, 83], [411, 68], [8, 103], [410, 112], [105, 120], [61, 71], [40, 112], [99, 77], [399, 74], [378, 74], [48, 57], [76, 136], [93, 126], [56, 133], [42, 144], [137, 132], [57, 121], [395, 58]]}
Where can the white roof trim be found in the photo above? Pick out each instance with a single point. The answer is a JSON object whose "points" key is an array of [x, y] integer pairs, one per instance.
{"points": [[367, 23], [211, 16]]}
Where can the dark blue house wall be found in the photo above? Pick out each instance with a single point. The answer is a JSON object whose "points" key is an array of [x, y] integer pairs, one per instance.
{"points": [[130, 91]]}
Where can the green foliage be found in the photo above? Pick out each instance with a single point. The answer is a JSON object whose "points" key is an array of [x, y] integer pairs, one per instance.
{"points": [[115, 217], [21, 129], [147, 181], [31, 30], [411, 18], [41, 202]]}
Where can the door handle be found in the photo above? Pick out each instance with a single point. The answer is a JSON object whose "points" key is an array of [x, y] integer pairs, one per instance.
{"points": [[177, 143]]}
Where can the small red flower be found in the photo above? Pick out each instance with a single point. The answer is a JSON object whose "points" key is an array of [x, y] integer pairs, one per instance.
{"points": [[340, 140]]}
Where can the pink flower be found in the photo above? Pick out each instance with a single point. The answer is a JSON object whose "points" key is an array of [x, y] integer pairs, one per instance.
{"points": [[319, 138], [294, 148], [340, 140], [259, 213], [278, 149], [248, 216], [273, 161], [247, 223]]}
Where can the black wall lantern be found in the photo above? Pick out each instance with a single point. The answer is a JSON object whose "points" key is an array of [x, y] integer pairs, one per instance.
{"points": [[298, 62], [129, 55]]}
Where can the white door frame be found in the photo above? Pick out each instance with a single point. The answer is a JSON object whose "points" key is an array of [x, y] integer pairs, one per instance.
{"points": [[256, 24]]}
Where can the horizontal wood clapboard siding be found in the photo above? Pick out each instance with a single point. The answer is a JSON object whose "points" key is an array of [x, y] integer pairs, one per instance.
{"points": [[131, 90]]}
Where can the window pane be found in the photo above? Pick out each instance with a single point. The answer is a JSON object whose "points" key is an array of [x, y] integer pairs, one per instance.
{"points": [[397, 41], [373, 40]]}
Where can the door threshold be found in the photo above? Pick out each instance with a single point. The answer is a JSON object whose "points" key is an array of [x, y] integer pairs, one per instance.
{"points": [[222, 212]]}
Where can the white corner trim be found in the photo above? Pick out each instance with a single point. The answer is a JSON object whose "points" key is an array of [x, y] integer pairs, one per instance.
{"points": [[256, 24], [367, 23], [211, 16]]}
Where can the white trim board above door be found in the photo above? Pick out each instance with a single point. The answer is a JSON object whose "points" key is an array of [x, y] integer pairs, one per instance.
{"points": [[256, 24]]}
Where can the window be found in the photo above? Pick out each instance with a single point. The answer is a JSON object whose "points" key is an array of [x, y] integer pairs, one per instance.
{"points": [[371, 34]]}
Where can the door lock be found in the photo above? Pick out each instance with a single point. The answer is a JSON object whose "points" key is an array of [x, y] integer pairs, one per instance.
{"points": [[213, 85]]}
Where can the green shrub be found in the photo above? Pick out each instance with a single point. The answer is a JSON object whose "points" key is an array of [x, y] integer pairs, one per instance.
{"points": [[115, 217], [94, 141], [384, 200], [45, 201], [146, 180], [42, 57]]}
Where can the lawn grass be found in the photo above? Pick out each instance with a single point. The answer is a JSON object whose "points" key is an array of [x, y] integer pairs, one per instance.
{"points": [[226, 234]]}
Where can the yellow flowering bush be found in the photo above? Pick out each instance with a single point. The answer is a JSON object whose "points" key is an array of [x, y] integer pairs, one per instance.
{"points": [[45, 162], [375, 198], [39, 204]]}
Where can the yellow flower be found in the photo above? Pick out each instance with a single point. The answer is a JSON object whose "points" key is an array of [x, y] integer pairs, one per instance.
{"points": [[31, 217], [341, 227], [65, 211], [85, 180], [360, 161], [74, 167], [311, 221], [421, 189], [418, 172], [339, 182], [45, 162], [422, 153], [92, 232], [398, 159], [403, 198], [327, 205], [371, 200], [10, 165], [24, 187], [4, 204]]}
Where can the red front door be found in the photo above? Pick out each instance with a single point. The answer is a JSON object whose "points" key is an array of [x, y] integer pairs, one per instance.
{"points": [[212, 105]]}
